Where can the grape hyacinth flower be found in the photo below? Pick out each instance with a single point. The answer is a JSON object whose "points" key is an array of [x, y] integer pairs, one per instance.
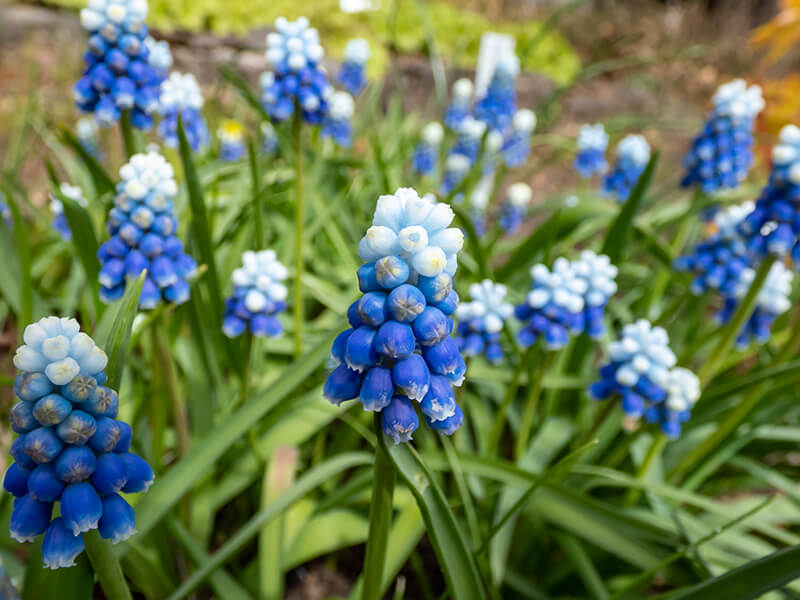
{"points": [[774, 225], [456, 168], [633, 154], [70, 448], [721, 154], [398, 350], [642, 372], [499, 104], [269, 139], [461, 104], [600, 277], [468, 141], [231, 141], [554, 307], [142, 227], [117, 76], [259, 295], [482, 320], [352, 75], [492, 155], [295, 54], [181, 96], [159, 58], [517, 146], [88, 135], [60, 223], [515, 208], [425, 159], [592, 144], [337, 124]]}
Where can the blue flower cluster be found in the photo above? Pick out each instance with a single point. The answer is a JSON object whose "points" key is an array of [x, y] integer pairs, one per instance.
{"points": [[159, 58], [337, 124], [591, 156], [463, 154], [482, 320], [642, 373], [774, 225], [258, 296], [515, 208], [399, 347], [142, 228], [498, 105], [633, 154], [352, 75], [231, 141], [181, 96], [294, 52], [60, 223], [599, 275], [425, 159], [517, 146], [118, 75], [70, 448], [88, 135], [721, 154], [460, 106]]}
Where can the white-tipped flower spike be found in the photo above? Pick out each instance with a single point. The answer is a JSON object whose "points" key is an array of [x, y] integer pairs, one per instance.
{"points": [[181, 96], [726, 222], [100, 14], [635, 149], [682, 392], [600, 277], [294, 46], [357, 51], [518, 198], [633, 154], [60, 223], [482, 320], [591, 156], [593, 137], [426, 153], [337, 124], [415, 230], [181, 91], [460, 103], [738, 101], [259, 294], [518, 145]]}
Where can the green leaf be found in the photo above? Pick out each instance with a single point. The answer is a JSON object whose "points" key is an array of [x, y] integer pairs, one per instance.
{"points": [[241, 86], [103, 183], [455, 558], [76, 583], [24, 255], [620, 231]]}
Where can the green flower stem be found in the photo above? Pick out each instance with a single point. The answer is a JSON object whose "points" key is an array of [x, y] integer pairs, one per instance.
{"points": [[128, 137], [734, 327], [656, 448], [179, 415], [106, 566], [532, 403], [157, 417], [380, 518], [511, 392], [300, 217]]}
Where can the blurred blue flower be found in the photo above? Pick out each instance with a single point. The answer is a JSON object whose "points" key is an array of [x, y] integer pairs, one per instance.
{"points": [[600, 277], [498, 105], [269, 139], [591, 156], [633, 154], [60, 223], [181, 96], [482, 320], [456, 168], [515, 207], [338, 122], [352, 75], [399, 348], [425, 159], [5, 212], [231, 141], [70, 449], [88, 135], [517, 145], [460, 104], [142, 227], [259, 295], [159, 58]]}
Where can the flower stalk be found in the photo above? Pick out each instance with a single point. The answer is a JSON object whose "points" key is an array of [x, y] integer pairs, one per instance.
{"points": [[300, 216], [106, 566]]}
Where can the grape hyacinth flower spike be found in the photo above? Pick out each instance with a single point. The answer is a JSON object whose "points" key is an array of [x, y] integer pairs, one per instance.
{"points": [[642, 372], [181, 96], [456, 168], [499, 104], [721, 154], [482, 320], [143, 227], [295, 54], [517, 146], [633, 154], [88, 135], [515, 208], [231, 141], [60, 223], [425, 159], [398, 351], [269, 139], [554, 308], [337, 124], [70, 448], [118, 75], [259, 295], [460, 105], [600, 277], [591, 156], [352, 75]]}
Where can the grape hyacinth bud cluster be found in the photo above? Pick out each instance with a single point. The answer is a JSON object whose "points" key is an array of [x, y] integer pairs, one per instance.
{"points": [[592, 144], [231, 141], [399, 348], [259, 295], [642, 373], [269, 139], [60, 223], [295, 54], [181, 97], [460, 105], [633, 154], [515, 208], [337, 124], [499, 104], [721, 154], [118, 76], [774, 225], [71, 448], [482, 320], [517, 145], [425, 159], [600, 277], [88, 135], [352, 75], [142, 228]]}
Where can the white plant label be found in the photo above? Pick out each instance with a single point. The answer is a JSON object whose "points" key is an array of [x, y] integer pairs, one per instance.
{"points": [[357, 6], [493, 47]]}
